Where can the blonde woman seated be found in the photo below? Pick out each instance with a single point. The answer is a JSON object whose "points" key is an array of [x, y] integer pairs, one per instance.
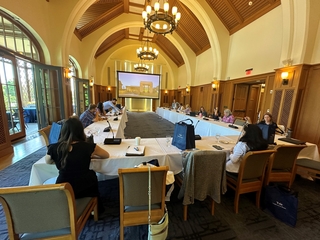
{"points": [[228, 117], [181, 108], [187, 109]]}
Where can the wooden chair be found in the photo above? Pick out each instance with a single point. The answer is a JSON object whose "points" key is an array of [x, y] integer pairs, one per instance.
{"points": [[281, 166], [250, 176], [134, 199], [46, 211], [45, 133], [239, 122], [204, 176]]}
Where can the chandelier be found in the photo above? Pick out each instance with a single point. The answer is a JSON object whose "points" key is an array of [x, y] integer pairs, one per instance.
{"points": [[161, 22], [141, 67], [147, 52]]}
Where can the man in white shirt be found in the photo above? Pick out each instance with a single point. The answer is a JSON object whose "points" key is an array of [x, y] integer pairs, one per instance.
{"points": [[111, 104]]}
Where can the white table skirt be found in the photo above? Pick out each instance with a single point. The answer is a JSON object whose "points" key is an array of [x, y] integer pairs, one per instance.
{"points": [[202, 127]]}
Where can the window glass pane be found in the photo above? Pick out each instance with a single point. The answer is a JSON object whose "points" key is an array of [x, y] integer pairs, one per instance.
{"points": [[18, 39]]}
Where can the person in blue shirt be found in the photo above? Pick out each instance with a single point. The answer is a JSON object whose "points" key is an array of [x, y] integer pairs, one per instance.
{"points": [[111, 104], [88, 116]]}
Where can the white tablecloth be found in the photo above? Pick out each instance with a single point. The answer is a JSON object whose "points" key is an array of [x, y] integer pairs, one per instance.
{"points": [[156, 148], [202, 127]]}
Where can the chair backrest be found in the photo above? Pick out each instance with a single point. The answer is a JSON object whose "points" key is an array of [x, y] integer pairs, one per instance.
{"points": [[45, 133], [133, 184], [239, 122], [204, 174], [253, 165], [285, 157], [43, 208]]}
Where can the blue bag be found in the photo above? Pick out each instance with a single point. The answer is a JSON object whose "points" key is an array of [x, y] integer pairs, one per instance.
{"points": [[282, 203], [183, 135]]}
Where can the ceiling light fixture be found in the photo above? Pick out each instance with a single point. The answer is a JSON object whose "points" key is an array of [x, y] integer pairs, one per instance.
{"points": [[161, 22], [141, 67], [147, 52]]}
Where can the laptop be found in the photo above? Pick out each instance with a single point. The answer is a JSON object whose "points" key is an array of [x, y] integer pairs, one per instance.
{"points": [[193, 114]]}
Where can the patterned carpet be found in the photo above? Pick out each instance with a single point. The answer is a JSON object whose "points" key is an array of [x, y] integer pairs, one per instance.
{"points": [[249, 223]]}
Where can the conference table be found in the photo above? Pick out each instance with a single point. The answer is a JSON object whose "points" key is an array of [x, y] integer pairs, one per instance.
{"points": [[155, 148], [203, 126]]}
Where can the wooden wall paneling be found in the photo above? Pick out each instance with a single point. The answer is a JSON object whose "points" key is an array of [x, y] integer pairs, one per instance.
{"points": [[252, 103], [308, 124], [286, 108], [268, 93], [276, 104], [241, 92]]}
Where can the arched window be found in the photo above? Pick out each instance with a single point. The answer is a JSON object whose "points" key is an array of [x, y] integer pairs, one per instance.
{"points": [[16, 38]]}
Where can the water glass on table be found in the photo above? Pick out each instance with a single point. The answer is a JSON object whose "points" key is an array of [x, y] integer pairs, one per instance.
{"points": [[168, 140], [218, 135]]}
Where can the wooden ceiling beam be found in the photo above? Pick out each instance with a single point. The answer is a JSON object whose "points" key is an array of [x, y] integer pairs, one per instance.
{"points": [[190, 38], [234, 11]]}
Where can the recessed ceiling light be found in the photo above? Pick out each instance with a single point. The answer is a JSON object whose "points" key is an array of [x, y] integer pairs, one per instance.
{"points": [[250, 3]]}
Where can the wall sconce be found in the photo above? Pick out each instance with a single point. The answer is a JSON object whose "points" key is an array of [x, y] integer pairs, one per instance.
{"points": [[109, 89], [214, 87], [284, 76], [67, 73], [91, 83], [166, 91], [187, 89]]}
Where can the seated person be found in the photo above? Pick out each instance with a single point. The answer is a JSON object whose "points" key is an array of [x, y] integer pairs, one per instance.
{"points": [[187, 110], [228, 117], [202, 112], [173, 105], [111, 104], [216, 114], [89, 116], [181, 108], [177, 106], [72, 157], [270, 132], [251, 140], [100, 109]]}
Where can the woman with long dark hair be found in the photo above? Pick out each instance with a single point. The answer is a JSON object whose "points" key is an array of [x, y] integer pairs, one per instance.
{"points": [[72, 156], [251, 140]]}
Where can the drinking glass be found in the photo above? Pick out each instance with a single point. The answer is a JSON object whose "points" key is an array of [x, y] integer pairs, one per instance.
{"points": [[168, 140], [218, 135]]}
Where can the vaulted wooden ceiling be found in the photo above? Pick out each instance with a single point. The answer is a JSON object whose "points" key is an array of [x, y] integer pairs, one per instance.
{"points": [[234, 14]]}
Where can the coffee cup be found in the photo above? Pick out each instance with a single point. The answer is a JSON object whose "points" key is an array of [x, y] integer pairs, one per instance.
{"points": [[138, 139]]}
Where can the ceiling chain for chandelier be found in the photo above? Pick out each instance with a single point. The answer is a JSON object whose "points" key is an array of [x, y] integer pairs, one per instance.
{"points": [[161, 22]]}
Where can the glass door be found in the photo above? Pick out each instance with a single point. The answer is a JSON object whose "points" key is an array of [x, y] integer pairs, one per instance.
{"points": [[49, 92], [81, 95], [12, 98]]}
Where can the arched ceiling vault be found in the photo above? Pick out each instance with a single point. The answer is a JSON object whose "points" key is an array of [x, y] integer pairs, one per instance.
{"points": [[234, 15]]}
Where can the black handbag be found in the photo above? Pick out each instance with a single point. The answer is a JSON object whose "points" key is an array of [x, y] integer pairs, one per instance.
{"points": [[282, 203], [183, 135]]}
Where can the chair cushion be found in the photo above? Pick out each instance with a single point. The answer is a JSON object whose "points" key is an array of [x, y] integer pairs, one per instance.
{"points": [[81, 204], [308, 163], [41, 235], [235, 177], [141, 208]]}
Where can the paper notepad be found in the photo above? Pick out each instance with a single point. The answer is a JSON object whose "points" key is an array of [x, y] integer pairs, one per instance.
{"points": [[135, 151]]}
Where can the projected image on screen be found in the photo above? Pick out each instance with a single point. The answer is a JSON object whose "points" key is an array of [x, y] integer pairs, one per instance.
{"points": [[138, 85]]}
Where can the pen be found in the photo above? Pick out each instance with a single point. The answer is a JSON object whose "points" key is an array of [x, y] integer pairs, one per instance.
{"points": [[136, 148]]}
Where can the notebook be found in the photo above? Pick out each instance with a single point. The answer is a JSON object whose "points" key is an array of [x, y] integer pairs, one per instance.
{"points": [[135, 151], [292, 140], [193, 114]]}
